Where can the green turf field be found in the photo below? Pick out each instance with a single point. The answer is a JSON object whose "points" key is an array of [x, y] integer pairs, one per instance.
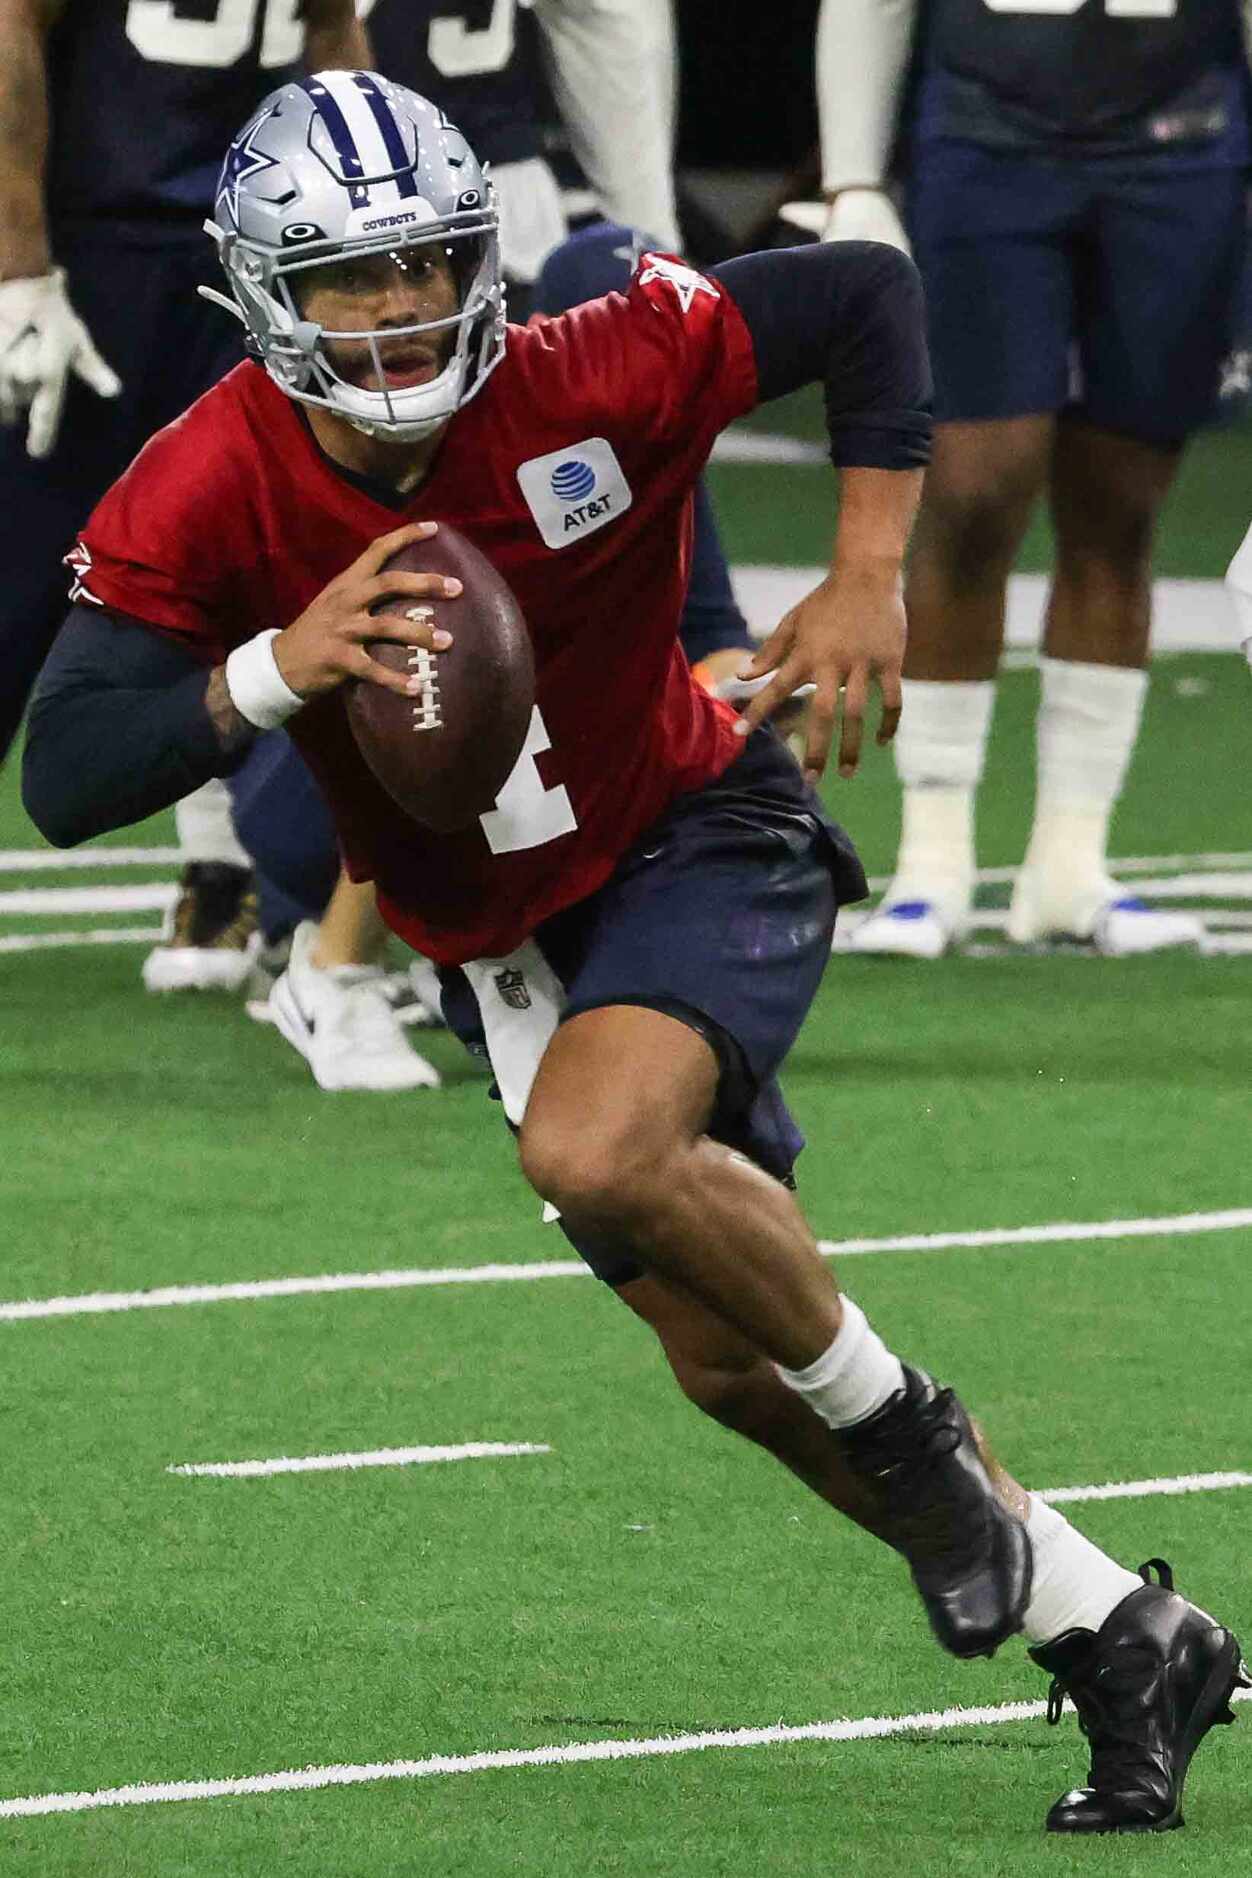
{"points": [[646, 1577]]}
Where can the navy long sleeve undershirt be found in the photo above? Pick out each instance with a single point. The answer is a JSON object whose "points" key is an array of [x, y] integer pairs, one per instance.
{"points": [[118, 725], [848, 315]]}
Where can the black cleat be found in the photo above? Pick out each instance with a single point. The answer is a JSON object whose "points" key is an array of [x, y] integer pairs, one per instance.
{"points": [[1148, 1686], [970, 1558]]}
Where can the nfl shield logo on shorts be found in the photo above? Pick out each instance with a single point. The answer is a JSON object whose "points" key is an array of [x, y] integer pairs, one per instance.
{"points": [[511, 984], [574, 491]]}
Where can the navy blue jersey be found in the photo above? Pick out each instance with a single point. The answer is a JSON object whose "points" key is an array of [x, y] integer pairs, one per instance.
{"points": [[1108, 75], [476, 59], [145, 96]]}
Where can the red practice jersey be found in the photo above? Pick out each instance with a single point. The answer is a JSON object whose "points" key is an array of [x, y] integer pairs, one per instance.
{"points": [[572, 470]]}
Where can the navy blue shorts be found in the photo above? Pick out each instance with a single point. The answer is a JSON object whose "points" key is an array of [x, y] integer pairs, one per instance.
{"points": [[721, 914], [167, 346], [1105, 287]]}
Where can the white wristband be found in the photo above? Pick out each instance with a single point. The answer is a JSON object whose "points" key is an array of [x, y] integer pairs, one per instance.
{"points": [[257, 688]]}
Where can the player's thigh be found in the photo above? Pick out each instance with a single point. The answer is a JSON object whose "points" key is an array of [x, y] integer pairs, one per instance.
{"points": [[1158, 300], [716, 922], [992, 236]]}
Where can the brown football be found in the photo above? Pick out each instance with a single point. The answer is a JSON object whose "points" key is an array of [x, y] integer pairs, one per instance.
{"points": [[445, 754]]}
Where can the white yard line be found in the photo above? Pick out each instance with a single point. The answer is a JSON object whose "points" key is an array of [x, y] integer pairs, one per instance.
{"points": [[61, 860], [1187, 615], [566, 1754], [90, 1303], [1148, 1489], [144, 897], [375, 1457], [92, 936], [56, 861]]}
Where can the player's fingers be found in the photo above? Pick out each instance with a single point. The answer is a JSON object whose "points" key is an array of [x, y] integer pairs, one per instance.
{"points": [[414, 627], [767, 700], [381, 550], [855, 698], [375, 673], [93, 369], [45, 415], [771, 652], [892, 704], [400, 586], [820, 728]]}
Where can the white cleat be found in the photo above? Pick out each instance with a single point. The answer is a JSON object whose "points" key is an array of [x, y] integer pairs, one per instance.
{"points": [[905, 929], [1129, 925], [1116, 924], [342, 1025]]}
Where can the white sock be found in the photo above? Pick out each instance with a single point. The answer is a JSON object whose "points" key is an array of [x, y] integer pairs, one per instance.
{"points": [[1075, 1584], [1085, 734], [851, 1379], [940, 747], [205, 829]]}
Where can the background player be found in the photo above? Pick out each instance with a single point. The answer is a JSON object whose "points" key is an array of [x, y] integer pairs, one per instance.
{"points": [[1075, 199], [667, 919], [102, 337], [611, 65]]}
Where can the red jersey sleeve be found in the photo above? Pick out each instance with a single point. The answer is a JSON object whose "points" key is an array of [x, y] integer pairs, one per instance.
{"points": [[671, 360], [174, 541]]}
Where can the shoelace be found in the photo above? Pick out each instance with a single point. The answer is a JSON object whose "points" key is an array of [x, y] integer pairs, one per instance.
{"points": [[932, 1432], [1112, 1715], [902, 1460]]}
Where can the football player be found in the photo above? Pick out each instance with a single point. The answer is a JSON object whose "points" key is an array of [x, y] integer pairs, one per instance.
{"points": [[334, 954], [634, 933], [1075, 198], [102, 338]]}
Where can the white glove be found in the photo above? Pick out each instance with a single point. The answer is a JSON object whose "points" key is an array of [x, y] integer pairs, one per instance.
{"points": [[42, 340], [865, 215]]}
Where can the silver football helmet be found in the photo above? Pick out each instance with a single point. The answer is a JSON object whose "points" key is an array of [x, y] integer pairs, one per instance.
{"points": [[347, 164]]}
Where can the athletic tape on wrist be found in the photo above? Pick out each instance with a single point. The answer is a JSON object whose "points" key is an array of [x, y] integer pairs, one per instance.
{"points": [[257, 688]]}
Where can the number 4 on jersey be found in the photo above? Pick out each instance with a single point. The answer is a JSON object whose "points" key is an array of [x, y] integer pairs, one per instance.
{"points": [[527, 813]]}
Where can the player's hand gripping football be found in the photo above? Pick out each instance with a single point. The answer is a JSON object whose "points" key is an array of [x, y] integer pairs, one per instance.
{"points": [[326, 645], [843, 638]]}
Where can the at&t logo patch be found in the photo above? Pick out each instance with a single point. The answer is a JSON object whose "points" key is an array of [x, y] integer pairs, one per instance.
{"points": [[574, 491]]}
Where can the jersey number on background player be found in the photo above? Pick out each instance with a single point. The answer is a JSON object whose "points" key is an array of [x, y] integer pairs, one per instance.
{"points": [[1116, 9], [461, 50], [158, 33], [527, 813]]}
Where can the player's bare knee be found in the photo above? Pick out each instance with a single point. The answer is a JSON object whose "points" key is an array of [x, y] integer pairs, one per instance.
{"points": [[599, 1176], [973, 531]]}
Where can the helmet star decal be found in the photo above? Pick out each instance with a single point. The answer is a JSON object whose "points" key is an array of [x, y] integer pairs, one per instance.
{"points": [[243, 163], [684, 280]]}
